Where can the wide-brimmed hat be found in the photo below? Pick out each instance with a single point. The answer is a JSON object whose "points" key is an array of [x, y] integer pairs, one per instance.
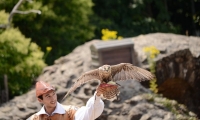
{"points": [[42, 88]]}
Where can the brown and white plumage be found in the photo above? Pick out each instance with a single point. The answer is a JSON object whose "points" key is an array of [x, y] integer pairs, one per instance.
{"points": [[107, 73], [109, 91]]}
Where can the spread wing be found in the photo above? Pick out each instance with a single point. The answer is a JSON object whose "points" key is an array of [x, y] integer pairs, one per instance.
{"points": [[86, 77], [126, 71]]}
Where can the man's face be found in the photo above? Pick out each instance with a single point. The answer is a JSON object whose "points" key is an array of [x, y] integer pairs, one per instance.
{"points": [[49, 99]]}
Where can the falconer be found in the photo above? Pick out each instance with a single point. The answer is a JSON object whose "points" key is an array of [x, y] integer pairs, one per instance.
{"points": [[53, 110]]}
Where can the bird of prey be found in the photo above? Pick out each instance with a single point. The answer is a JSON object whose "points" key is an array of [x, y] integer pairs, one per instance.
{"points": [[107, 74]]}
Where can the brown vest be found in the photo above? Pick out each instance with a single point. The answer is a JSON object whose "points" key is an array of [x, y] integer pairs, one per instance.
{"points": [[69, 115]]}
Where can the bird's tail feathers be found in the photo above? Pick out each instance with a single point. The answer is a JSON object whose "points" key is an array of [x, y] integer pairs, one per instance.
{"points": [[109, 91]]}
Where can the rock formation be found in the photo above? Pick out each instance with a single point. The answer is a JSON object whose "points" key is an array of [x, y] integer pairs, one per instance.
{"points": [[179, 60]]}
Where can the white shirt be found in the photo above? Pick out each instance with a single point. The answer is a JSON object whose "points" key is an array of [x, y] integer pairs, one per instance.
{"points": [[93, 109]]}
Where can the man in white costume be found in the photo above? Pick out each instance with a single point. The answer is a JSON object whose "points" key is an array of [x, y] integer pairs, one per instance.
{"points": [[53, 110]]}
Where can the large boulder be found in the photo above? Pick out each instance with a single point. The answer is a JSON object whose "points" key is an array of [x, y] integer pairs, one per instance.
{"points": [[135, 101]]}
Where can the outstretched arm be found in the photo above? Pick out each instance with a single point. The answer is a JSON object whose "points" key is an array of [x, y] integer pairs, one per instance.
{"points": [[92, 110]]}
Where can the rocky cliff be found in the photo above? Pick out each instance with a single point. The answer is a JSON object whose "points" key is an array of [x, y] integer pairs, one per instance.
{"points": [[179, 61]]}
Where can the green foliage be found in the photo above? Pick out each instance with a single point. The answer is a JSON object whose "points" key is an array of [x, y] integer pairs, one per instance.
{"points": [[62, 25], [20, 59], [4, 18], [132, 17], [151, 53]]}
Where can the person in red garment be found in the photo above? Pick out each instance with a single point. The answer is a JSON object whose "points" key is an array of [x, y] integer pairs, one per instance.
{"points": [[53, 110]]}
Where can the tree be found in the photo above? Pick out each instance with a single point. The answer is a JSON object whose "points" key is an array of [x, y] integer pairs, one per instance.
{"points": [[135, 17], [132, 17], [63, 24], [186, 15], [20, 59], [16, 11]]}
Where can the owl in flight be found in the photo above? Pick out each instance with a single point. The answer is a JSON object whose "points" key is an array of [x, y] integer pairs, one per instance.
{"points": [[107, 75]]}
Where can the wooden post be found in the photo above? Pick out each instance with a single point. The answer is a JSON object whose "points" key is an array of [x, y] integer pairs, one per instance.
{"points": [[6, 87]]}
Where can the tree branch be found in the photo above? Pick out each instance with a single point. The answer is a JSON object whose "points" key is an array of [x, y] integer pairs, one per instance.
{"points": [[27, 12], [15, 10], [6, 86]]}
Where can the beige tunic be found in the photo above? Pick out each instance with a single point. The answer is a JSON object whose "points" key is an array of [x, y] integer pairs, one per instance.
{"points": [[69, 115]]}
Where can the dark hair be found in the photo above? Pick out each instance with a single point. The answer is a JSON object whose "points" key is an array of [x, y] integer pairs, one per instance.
{"points": [[41, 97]]}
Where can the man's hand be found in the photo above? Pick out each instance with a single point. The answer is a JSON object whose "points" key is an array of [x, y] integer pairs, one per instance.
{"points": [[99, 91]]}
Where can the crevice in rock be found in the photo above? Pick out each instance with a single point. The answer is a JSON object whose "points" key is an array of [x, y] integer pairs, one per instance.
{"points": [[178, 78]]}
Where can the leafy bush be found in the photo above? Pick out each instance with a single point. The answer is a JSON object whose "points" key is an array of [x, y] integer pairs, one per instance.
{"points": [[20, 59], [4, 18]]}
